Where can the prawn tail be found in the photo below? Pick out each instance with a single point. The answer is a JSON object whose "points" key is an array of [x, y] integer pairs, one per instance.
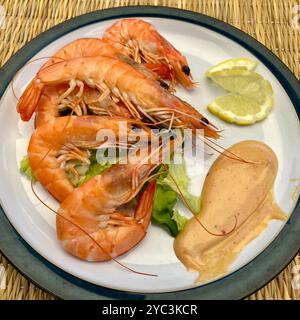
{"points": [[145, 204], [29, 100]]}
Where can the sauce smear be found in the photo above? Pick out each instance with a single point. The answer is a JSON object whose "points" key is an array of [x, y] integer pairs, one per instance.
{"points": [[233, 192]]}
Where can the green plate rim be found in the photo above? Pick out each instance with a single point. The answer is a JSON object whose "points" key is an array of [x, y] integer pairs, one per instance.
{"points": [[237, 285]]}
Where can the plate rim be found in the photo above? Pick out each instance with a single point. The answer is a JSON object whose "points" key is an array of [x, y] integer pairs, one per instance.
{"points": [[237, 285]]}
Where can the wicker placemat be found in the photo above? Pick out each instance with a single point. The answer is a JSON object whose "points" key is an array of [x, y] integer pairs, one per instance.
{"points": [[271, 22]]}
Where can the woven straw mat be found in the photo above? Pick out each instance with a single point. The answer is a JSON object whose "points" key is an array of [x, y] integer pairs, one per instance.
{"points": [[269, 21]]}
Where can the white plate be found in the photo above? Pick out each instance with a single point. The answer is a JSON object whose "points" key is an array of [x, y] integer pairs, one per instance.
{"points": [[154, 254]]}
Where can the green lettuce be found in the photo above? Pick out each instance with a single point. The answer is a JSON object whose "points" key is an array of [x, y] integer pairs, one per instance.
{"points": [[94, 168], [25, 169], [179, 219], [164, 201], [178, 180], [163, 212], [169, 186]]}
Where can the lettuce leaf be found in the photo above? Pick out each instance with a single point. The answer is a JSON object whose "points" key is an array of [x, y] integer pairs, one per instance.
{"points": [[177, 178], [164, 201], [179, 219], [26, 170], [93, 170], [163, 212], [169, 186]]}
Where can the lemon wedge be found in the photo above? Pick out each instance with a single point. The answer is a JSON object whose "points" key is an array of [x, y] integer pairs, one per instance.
{"points": [[241, 110], [243, 82], [235, 63], [250, 99]]}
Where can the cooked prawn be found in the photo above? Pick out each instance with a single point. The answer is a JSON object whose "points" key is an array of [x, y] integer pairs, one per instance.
{"points": [[76, 49], [54, 103], [102, 207], [144, 97], [85, 47], [146, 45], [56, 147], [101, 220]]}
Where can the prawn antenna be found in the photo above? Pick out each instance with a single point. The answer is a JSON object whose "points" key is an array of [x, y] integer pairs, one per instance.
{"points": [[225, 152], [195, 213], [91, 237]]}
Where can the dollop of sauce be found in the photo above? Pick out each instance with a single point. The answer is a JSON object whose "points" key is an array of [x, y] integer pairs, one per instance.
{"points": [[237, 204]]}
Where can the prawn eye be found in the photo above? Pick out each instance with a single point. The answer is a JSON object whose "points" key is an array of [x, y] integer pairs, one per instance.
{"points": [[186, 70], [205, 120], [164, 84]]}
